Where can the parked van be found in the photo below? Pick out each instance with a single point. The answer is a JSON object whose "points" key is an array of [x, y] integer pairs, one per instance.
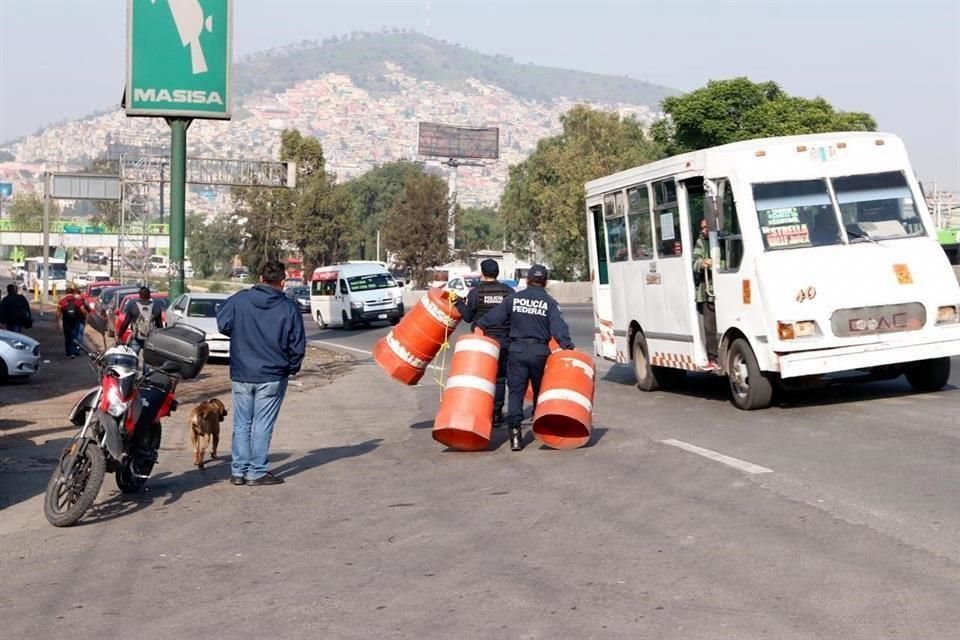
{"points": [[355, 293]]}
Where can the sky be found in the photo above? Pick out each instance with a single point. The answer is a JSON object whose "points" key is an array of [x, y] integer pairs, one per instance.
{"points": [[897, 60]]}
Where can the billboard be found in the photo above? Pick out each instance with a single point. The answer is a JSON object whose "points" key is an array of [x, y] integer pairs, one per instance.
{"points": [[446, 141], [178, 58]]}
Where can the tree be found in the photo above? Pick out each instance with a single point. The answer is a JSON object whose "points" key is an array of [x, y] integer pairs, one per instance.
{"points": [[543, 203], [375, 192], [26, 211], [737, 109], [477, 229], [213, 244], [416, 226], [326, 225]]}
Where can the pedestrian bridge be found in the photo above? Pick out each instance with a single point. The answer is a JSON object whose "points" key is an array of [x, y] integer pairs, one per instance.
{"points": [[68, 233]]}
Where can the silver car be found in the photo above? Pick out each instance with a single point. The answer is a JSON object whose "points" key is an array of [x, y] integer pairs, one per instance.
{"points": [[200, 310], [19, 355]]}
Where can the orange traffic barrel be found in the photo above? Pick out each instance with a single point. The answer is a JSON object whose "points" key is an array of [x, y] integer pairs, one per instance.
{"points": [[528, 396], [465, 418], [411, 346], [564, 414]]}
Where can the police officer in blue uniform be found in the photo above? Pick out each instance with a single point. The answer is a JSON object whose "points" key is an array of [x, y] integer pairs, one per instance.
{"points": [[481, 299], [534, 317]]}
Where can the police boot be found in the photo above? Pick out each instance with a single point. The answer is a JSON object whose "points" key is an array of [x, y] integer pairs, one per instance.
{"points": [[516, 439], [497, 417]]}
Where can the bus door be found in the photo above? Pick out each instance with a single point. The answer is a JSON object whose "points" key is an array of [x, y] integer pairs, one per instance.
{"points": [[603, 338], [733, 290], [669, 297]]}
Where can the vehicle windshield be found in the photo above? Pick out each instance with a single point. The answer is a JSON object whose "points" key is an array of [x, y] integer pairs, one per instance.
{"points": [[299, 292], [58, 272], [797, 214], [877, 206], [471, 282], [200, 308], [371, 282]]}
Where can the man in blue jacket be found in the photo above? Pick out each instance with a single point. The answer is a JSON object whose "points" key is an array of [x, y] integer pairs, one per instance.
{"points": [[267, 345]]}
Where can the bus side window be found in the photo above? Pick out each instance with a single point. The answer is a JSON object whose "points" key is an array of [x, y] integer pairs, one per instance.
{"points": [[616, 227], [666, 219], [729, 236], [638, 219]]}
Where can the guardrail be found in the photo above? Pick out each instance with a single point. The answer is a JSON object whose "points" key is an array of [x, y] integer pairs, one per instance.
{"points": [[69, 226]]}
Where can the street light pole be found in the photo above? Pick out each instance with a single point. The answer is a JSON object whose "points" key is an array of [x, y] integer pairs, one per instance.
{"points": [[46, 240]]}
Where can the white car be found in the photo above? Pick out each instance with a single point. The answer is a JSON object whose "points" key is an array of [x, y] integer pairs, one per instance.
{"points": [[461, 285], [200, 310], [19, 355]]}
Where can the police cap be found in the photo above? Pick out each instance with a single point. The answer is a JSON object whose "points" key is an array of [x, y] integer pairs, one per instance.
{"points": [[537, 274], [490, 268]]}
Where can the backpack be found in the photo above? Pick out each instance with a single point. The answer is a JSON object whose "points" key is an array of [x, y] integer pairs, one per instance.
{"points": [[70, 313], [144, 322]]}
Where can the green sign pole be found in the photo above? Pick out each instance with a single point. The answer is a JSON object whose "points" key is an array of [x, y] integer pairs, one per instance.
{"points": [[178, 191]]}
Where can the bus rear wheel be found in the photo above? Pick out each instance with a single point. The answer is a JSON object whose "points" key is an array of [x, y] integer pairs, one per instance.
{"points": [[928, 375], [750, 388], [650, 378]]}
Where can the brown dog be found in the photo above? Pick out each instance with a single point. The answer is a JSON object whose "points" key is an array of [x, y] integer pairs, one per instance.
{"points": [[205, 422]]}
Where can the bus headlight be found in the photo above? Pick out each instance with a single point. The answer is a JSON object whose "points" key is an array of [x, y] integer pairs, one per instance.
{"points": [[948, 314], [356, 305], [793, 330]]}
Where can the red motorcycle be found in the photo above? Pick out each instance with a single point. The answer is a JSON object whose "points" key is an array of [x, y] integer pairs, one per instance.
{"points": [[119, 433]]}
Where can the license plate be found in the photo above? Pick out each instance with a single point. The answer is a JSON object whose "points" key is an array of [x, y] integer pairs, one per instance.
{"points": [[382, 316]]}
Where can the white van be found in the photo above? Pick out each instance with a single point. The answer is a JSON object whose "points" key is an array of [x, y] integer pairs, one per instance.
{"points": [[353, 293]]}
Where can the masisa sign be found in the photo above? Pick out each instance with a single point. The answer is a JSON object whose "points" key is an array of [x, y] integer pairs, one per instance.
{"points": [[178, 58]]}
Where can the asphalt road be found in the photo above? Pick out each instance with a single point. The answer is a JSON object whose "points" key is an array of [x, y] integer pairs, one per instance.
{"points": [[835, 515], [875, 454]]}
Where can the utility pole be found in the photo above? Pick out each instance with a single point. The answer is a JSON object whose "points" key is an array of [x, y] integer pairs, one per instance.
{"points": [[46, 239]]}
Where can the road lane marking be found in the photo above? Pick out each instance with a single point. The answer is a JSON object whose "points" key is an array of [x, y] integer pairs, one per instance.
{"points": [[335, 345], [736, 463]]}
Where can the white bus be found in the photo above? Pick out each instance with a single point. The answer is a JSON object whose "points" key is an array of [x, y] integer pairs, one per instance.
{"points": [[56, 278], [824, 260], [357, 292]]}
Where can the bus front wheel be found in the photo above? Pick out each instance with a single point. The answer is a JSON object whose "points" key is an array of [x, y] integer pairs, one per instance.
{"points": [[750, 388], [928, 375]]}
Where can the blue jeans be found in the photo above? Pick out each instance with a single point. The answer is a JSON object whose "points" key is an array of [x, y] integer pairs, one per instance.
{"points": [[255, 409], [71, 332]]}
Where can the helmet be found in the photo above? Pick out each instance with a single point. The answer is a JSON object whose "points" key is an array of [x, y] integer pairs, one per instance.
{"points": [[537, 274], [490, 268]]}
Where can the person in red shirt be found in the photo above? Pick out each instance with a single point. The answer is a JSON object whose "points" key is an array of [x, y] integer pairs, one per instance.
{"points": [[71, 314]]}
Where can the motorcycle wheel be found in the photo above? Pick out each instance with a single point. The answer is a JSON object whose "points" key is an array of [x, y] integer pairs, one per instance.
{"points": [[126, 481], [75, 483]]}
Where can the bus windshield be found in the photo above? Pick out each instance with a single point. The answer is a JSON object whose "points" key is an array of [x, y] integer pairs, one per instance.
{"points": [[371, 282], [876, 206], [57, 271]]}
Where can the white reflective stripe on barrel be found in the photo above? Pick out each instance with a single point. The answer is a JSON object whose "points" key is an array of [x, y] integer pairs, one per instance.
{"points": [[403, 354], [580, 364], [566, 394], [470, 382], [482, 346], [437, 313]]}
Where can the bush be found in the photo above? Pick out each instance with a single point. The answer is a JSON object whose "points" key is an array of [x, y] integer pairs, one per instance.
{"points": [[216, 287]]}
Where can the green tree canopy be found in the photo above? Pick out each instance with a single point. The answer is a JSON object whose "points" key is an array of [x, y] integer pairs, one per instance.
{"points": [[738, 109], [375, 192], [543, 203], [213, 244], [26, 211], [416, 226], [477, 229]]}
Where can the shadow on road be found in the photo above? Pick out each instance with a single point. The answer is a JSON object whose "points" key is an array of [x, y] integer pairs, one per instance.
{"points": [[323, 456]]}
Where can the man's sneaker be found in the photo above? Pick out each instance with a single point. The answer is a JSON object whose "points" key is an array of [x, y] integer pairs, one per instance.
{"points": [[237, 480], [264, 480]]}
